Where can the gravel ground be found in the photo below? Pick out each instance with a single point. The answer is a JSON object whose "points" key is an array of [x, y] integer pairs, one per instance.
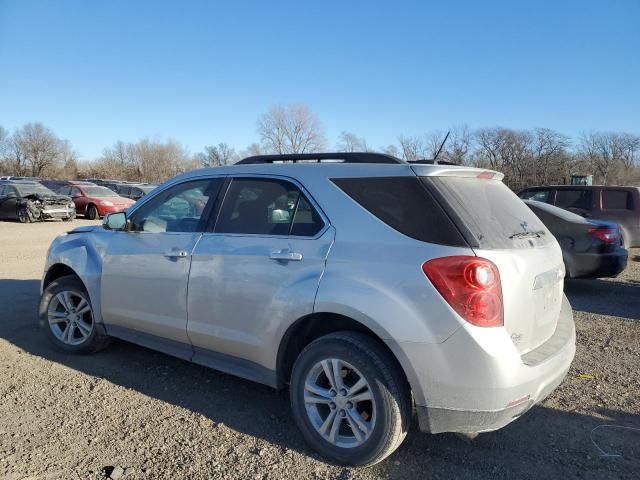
{"points": [[135, 413]]}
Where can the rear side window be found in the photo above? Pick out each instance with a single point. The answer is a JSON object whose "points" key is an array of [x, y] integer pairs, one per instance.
{"points": [[489, 213], [617, 200], [575, 198], [405, 205]]}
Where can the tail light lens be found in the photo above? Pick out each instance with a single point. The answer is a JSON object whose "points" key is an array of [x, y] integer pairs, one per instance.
{"points": [[471, 285], [608, 236]]}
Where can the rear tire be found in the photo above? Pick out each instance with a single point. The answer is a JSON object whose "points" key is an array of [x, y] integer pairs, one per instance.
{"points": [[92, 212], [67, 315], [372, 418]]}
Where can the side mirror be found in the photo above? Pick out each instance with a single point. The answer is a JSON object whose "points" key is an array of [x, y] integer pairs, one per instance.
{"points": [[115, 221]]}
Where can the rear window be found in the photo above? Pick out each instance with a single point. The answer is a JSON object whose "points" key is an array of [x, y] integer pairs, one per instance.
{"points": [[489, 214], [537, 195], [617, 200], [575, 198], [405, 205]]}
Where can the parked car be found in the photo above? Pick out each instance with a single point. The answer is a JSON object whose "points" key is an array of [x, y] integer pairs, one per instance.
{"points": [[29, 201], [94, 201], [135, 191], [57, 185], [590, 248], [616, 204], [364, 286]]}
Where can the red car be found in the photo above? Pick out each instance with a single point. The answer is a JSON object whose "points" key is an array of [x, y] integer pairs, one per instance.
{"points": [[94, 201]]}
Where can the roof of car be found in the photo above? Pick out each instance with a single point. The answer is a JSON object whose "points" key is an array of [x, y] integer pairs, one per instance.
{"points": [[574, 187], [21, 182]]}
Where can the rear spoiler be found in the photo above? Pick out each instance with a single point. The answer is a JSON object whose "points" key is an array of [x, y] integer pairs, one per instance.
{"points": [[453, 171]]}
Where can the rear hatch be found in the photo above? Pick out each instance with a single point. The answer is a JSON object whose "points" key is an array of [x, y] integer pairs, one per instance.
{"points": [[501, 228]]}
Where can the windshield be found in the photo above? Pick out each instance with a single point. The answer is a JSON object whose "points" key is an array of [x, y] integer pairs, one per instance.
{"points": [[33, 188], [491, 212], [99, 192]]}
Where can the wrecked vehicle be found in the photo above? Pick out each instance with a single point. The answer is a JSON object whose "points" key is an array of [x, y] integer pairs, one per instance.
{"points": [[29, 201]]}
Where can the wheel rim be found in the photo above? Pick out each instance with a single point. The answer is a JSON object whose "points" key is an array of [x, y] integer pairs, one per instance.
{"points": [[339, 403], [92, 212], [23, 216], [70, 317]]}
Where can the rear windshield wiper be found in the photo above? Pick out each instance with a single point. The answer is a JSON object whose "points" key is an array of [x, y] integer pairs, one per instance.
{"points": [[536, 234]]}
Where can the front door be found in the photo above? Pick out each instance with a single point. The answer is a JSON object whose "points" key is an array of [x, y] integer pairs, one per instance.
{"points": [[8, 201], [257, 271], [145, 270]]}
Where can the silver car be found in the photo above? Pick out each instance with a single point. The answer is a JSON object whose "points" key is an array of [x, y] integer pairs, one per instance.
{"points": [[367, 285]]}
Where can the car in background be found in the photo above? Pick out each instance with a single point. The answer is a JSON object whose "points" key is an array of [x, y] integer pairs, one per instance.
{"points": [[590, 248], [134, 191], [94, 201], [57, 185], [29, 201], [615, 204]]}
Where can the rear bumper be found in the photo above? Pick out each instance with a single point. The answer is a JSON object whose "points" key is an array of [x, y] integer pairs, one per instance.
{"points": [[476, 381], [598, 265]]}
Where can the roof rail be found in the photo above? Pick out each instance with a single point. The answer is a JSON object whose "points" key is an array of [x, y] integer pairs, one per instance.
{"points": [[341, 157], [433, 162]]}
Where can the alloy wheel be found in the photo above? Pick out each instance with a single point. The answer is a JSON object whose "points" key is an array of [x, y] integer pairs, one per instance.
{"points": [[339, 403], [70, 317]]}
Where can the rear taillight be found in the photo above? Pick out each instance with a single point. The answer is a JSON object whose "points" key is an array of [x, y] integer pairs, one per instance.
{"points": [[471, 285], [606, 235]]}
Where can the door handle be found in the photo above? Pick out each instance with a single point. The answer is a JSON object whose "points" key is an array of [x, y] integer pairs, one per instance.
{"points": [[176, 254], [286, 255]]}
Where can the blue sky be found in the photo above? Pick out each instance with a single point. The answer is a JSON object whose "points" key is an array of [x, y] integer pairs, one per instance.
{"points": [[202, 72]]}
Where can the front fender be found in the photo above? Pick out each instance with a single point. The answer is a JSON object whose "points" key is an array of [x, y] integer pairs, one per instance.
{"points": [[82, 253]]}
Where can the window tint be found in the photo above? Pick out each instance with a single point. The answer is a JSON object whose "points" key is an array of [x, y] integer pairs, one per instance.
{"points": [[405, 205], [179, 209], [537, 195], [577, 198], [74, 191], [1, 190], [267, 207], [617, 200]]}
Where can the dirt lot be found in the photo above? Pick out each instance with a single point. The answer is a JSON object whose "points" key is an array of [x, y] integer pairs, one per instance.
{"points": [[64, 417]]}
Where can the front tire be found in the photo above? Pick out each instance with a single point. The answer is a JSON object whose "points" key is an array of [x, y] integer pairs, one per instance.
{"points": [[67, 315], [92, 212], [350, 398], [24, 216]]}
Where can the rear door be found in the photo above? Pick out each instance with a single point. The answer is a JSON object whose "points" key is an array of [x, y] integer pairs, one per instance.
{"points": [[618, 205], [258, 269], [8, 202], [501, 228]]}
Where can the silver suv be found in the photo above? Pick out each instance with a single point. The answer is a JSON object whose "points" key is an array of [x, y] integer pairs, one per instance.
{"points": [[368, 285]]}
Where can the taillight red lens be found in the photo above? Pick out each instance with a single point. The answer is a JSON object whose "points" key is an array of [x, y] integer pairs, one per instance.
{"points": [[471, 285], [606, 235]]}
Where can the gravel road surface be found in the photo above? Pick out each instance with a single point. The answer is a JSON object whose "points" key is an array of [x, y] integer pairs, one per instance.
{"points": [[131, 413]]}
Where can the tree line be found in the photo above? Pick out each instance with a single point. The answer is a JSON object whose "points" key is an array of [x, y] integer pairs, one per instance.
{"points": [[540, 156]]}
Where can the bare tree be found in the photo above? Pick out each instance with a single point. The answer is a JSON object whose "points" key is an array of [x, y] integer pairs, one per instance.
{"points": [[350, 142], [458, 145], [39, 146], [413, 148], [392, 150], [549, 154], [217, 155], [291, 129]]}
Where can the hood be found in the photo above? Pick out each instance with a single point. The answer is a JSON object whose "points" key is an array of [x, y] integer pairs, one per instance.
{"points": [[47, 198], [85, 229]]}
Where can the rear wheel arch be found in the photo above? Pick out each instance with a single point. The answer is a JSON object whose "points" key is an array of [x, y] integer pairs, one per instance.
{"points": [[310, 327]]}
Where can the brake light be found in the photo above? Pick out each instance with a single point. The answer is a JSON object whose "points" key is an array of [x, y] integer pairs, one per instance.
{"points": [[471, 285], [606, 235], [486, 175]]}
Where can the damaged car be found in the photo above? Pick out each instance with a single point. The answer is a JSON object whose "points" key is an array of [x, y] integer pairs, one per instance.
{"points": [[29, 201]]}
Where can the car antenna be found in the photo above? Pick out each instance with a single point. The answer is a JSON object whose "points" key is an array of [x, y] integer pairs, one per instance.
{"points": [[435, 157]]}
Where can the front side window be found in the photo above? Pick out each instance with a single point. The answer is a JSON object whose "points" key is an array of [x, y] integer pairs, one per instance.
{"points": [[617, 200], [267, 207], [180, 209], [575, 198]]}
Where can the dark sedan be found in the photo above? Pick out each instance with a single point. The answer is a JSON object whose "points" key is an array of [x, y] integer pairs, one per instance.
{"points": [[590, 248]]}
